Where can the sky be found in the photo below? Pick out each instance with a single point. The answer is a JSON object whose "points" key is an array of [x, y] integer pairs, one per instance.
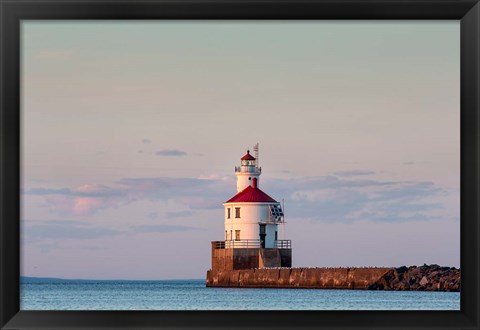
{"points": [[131, 132]]}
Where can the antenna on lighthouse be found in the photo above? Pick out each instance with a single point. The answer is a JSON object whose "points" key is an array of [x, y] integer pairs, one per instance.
{"points": [[255, 149], [283, 223]]}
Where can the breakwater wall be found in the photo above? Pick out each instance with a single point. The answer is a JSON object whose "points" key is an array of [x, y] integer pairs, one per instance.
{"points": [[421, 278], [319, 278]]}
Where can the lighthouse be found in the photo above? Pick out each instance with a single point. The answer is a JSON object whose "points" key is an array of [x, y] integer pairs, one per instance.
{"points": [[247, 171], [251, 219]]}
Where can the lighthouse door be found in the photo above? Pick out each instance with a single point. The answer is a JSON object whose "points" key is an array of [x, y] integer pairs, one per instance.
{"points": [[263, 233]]}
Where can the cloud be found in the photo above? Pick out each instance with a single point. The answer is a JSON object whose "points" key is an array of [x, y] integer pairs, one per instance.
{"points": [[64, 229], [346, 200], [161, 228], [46, 234], [48, 191], [82, 201], [322, 182], [79, 206], [214, 176], [89, 199], [204, 202], [152, 215], [87, 190], [171, 153], [146, 141], [327, 198], [179, 214], [93, 248]]}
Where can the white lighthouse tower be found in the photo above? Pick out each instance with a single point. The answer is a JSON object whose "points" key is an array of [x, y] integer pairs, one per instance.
{"points": [[251, 223], [251, 216], [247, 171]]}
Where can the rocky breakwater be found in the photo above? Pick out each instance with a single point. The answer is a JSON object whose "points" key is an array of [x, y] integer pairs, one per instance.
{"points": [[423, 278]]}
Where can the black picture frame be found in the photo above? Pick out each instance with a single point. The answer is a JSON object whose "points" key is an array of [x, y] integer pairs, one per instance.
{"points": [[14, 11]]}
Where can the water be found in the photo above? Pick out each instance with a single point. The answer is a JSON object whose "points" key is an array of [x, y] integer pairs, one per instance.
{"points": [[193, 295]]}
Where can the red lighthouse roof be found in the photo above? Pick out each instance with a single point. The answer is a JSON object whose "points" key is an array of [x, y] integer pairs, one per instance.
{"points": [[248, 156], [251, 195]]}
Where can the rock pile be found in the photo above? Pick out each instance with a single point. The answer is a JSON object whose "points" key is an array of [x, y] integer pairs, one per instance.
{"points": [[423, 278]]}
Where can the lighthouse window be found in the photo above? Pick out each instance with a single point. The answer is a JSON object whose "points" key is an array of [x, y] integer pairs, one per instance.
{"points": [[228, 213], [237, 235], [237, 212]]}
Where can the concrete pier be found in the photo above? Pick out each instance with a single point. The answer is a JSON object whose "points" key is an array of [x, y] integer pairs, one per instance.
{"points": [[320, 278], [421, 278]]}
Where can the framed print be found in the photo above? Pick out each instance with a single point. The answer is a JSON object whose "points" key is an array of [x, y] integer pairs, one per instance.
{"points": [[270, 164]]}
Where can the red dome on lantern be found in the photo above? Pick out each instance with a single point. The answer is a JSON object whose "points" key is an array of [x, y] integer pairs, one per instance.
{"points": [[248, 156]]}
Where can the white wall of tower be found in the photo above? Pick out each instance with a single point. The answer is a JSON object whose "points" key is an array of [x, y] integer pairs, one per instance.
{"points": [[244, 179], [251, 214]]}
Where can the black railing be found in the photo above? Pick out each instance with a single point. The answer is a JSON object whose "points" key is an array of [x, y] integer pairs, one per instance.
{"points": [[250, 243], [273, 221], [242, 243], [218, 244], [283, 244], [239, 169]]}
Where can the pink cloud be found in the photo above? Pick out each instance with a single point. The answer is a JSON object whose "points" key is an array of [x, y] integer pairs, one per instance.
{"points": [[91, 188], [60, 204], [88, 199], [78, 206], [86, 205], [200, 202]]}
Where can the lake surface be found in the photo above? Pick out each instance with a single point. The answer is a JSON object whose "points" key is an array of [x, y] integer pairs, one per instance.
{"points": [[193, 295]]}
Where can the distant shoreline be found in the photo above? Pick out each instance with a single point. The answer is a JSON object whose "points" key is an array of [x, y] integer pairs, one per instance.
{"points": [[34, 279]]}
